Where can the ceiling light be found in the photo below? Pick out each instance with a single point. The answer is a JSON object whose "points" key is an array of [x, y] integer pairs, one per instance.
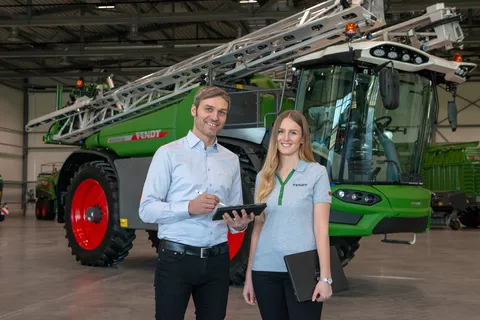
{"points": [[105, 6]]}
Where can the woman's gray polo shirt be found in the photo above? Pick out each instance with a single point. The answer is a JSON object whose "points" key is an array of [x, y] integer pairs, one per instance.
{"points": [[288, 226]]}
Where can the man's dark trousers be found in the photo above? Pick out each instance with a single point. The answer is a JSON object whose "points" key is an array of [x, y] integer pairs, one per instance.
{"points": [[179, 276]]}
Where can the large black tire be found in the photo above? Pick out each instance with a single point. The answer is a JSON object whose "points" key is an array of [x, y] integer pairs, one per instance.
{"points": [[39, 208], [44, 209], [470, 218], [346, 248], [50, 213], [239, 263], [116, 241]]}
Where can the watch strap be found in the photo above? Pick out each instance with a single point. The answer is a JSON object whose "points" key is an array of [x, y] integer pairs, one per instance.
{"points": [[327, 280]]}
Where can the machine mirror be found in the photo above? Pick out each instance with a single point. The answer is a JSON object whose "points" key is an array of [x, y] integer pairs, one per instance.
{"points": [[452, 115], [390, 88]]}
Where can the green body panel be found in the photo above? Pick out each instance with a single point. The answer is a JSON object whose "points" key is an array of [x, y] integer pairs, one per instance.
{"points": [[453, 167], [143, 137], [394, 203], [175, 120]]}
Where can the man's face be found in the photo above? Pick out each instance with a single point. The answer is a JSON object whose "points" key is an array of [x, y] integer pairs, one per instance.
{"points": [[210, 116]]}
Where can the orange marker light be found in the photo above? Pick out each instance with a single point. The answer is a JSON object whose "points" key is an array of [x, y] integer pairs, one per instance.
{"points": [[79, 83], [350, 29], [457, 57]]}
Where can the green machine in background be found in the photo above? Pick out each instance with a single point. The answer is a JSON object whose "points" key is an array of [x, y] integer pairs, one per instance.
{"points": [[370, 105], [46, 191], [452, 172]]}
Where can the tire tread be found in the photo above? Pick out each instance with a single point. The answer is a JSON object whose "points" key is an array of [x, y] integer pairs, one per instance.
{"points": [[121, 240]]}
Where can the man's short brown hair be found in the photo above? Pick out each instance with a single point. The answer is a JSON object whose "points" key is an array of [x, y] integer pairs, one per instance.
{"points": [[210, 92]]}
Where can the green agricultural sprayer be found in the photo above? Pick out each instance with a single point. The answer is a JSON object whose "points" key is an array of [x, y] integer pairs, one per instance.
{"points": [[369, 96]]}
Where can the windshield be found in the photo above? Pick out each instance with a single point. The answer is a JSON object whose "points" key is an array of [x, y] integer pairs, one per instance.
{"points": [[353, 135]]}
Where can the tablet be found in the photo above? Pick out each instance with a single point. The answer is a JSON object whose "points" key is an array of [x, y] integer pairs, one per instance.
{"points": [[304, 268], [257, 209]]}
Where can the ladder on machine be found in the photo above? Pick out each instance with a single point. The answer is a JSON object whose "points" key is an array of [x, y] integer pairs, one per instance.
{"points": [[302, 33]]}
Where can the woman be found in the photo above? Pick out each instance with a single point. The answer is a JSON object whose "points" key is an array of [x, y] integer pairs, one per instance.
{"points": [[297, 192]]}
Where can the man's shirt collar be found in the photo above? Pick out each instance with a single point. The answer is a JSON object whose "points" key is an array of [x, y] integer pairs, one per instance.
{"points": [[193, 140]]}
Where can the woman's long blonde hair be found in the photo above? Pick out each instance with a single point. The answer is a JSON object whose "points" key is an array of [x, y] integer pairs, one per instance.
{"points": [[272, 162]]}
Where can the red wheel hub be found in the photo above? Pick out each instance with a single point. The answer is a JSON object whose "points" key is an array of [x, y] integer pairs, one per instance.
{"points": [[235, 242], [89, 198]]}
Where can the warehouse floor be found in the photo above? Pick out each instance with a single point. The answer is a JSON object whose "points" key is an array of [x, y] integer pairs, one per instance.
{"points": [[437, 278]]}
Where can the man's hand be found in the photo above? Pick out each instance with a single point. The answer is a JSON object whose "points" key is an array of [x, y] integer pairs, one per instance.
{"points": [[205, 203], [239, 223]]}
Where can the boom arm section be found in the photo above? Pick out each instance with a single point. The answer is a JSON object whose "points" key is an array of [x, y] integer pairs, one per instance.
{"points": [[438, 27], [307, 31]]}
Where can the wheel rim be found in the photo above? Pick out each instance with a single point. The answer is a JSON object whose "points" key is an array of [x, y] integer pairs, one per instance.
{"points": [[89, 234]]}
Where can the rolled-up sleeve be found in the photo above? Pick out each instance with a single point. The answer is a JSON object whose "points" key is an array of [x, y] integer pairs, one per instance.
{"points": [[321, 190], [153, 205]]}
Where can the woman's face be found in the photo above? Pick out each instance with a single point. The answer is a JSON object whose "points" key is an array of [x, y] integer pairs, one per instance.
{"points": [[289, 137]]}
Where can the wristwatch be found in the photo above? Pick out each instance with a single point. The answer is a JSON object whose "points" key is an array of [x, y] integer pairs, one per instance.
{"points": [[327, 280]]}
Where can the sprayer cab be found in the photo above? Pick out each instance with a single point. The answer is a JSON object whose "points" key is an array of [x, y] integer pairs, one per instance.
{"points": [[371, 108]]}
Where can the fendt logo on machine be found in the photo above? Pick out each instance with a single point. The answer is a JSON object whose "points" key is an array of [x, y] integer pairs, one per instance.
{"points": [[144, 135], [153, 134]]}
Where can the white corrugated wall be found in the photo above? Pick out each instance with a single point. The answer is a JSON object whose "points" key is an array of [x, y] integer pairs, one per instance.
{"points": [[11, 146], [468, 117], [38, 153]]}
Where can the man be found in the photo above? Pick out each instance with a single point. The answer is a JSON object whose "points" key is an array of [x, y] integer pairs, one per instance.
{"points": [[186, 181]]}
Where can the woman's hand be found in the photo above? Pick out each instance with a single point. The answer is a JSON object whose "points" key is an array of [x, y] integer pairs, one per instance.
{"points": [[248, 293], [323, 291]]}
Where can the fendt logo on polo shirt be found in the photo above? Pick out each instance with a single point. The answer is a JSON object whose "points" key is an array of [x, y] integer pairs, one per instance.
{"points": [[300, 184]]}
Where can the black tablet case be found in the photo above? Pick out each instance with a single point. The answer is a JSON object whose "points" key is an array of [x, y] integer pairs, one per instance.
{"points": [[304, 269], [259, 208]]}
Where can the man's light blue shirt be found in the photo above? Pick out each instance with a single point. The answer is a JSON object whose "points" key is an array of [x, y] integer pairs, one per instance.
{"points": [[176, 171]]}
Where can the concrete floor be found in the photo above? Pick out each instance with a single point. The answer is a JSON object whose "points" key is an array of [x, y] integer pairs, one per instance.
{"points": [[437, 278]]}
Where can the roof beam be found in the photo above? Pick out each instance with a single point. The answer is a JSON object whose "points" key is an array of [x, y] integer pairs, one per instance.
{"points": [[102, 43], [422, 5], [146, 18], [127, 51], [116, 72]]}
